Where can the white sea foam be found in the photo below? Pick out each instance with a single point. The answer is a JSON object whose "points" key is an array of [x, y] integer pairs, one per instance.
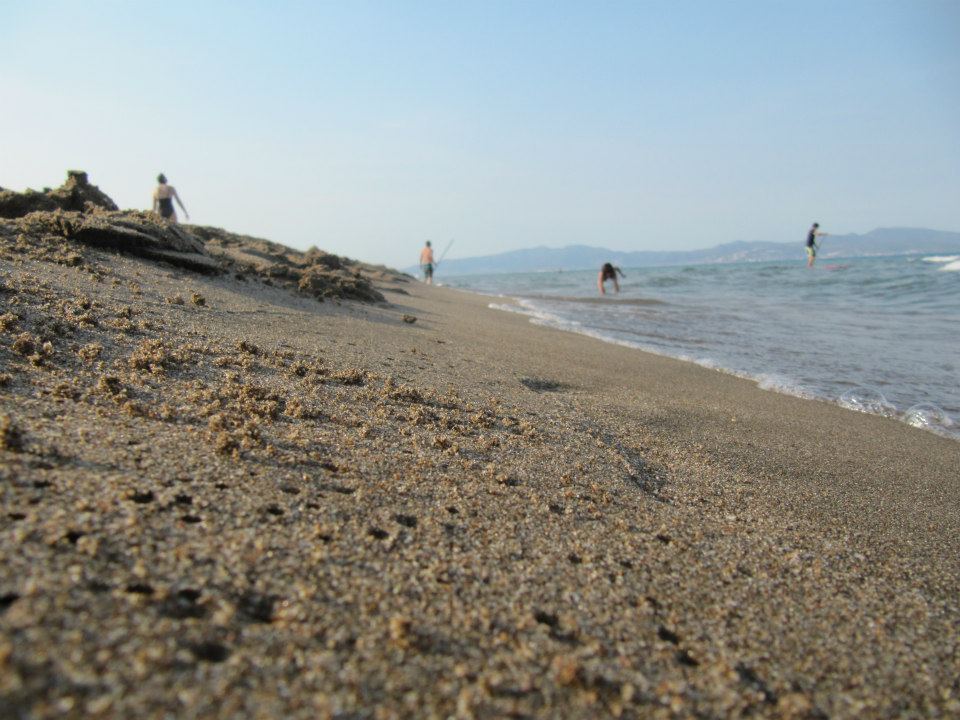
{"points": [[506, 307], [537, 317], [706, 362], [928, 416], [942, 258], [783, 385], [952, 266], [867, 400]]}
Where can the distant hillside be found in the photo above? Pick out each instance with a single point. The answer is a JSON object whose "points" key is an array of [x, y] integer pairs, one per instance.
{"points": [[882, 241]]}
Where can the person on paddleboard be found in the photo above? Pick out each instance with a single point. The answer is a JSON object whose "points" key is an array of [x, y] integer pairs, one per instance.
{"points": [[609, 272], [812, 245], [163, 198], [426, 263]]}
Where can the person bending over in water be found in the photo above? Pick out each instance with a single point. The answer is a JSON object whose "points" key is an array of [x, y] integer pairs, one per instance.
{"points": [[812, 246], [426, 263], [609, 272], [163, 198]]}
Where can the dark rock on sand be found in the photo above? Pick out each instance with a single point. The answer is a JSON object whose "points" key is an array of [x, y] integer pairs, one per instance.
{"points": [[318, 257], [78, 212], [322, 284], [314, 272], [75, 195], [137, 233]]}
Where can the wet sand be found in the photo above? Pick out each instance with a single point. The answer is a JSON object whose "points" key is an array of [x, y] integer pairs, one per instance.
{"points": [[223, 499]]}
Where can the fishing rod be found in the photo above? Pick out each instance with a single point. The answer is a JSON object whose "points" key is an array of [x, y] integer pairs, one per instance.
{"points": [[443, 254]]}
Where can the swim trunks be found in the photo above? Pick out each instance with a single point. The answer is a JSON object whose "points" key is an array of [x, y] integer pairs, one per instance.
{"points": [[166, 207]]}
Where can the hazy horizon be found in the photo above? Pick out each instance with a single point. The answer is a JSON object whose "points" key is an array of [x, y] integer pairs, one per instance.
{"points": [[366, 128], [907, 241]]}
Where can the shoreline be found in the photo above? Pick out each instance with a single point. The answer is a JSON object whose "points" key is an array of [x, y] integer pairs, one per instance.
{"points": [[762, 381], [864, 400], [254, 503]]}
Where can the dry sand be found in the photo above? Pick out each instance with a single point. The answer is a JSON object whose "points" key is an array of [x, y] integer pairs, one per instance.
{"points": [[224, 499]]}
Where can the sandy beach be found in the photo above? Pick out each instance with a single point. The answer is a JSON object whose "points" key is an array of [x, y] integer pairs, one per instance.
{"points": [[233, 492]]}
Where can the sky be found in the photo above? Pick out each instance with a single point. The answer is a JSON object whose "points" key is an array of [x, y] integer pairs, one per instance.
{"points": [[365, 128]]}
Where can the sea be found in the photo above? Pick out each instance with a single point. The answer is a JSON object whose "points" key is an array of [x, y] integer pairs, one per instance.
{"points": [[877, 335]]}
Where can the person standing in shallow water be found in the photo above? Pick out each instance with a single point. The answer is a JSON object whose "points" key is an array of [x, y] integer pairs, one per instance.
{"points": [[812, 236], [609, 272], [163, 198], [426, 263]]}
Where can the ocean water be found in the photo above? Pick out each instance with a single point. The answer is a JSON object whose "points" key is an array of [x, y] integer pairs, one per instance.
{"points": [[878, 335]]}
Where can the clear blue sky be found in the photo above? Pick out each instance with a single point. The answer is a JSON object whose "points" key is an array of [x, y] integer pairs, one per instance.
{"points": [[367, 127]]}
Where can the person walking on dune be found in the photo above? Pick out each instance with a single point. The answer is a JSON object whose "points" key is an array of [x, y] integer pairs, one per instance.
{"points": [[163, 198], [426, 263], [812, 245], [609, 272]]}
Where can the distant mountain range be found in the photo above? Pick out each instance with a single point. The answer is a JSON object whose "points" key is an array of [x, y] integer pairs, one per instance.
{"points": [[882, 241]]}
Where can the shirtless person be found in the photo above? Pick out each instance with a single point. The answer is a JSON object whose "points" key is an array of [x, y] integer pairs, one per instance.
{"points": [[609, 272], [426, 263], [163, 198]]}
